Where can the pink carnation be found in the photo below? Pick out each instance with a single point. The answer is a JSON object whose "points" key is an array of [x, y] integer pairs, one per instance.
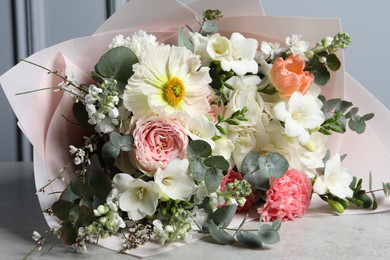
{"points": [[288, 197], [230, 177], [157, 141]]}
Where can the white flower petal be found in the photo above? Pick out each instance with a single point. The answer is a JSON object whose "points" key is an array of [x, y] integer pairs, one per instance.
{"points": [[121, 181]]}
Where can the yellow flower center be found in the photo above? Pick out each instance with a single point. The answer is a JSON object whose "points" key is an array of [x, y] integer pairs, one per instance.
{"points": [[174, 91]]}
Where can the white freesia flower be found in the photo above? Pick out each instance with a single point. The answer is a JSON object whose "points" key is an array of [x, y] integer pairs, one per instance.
{"points": [[137, 197], [297, 46], [201, 128], [223, 147], [335, 179], [270, 49], [174, 181], [237, 54], [301, 113], [168, 81]]}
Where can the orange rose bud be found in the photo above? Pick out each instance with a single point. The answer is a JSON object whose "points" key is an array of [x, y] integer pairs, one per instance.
{"points": [[288, 76]]}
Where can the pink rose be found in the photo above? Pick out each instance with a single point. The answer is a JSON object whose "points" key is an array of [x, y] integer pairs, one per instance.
{"points": [[288, 76], [288, 197], [157, 141], [230, 177]]}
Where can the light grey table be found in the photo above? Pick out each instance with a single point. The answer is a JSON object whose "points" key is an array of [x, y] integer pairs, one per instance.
{"points": [[332, 237]]}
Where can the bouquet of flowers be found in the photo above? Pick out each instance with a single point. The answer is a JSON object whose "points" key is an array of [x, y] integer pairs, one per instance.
{"points": [[175, 137]]}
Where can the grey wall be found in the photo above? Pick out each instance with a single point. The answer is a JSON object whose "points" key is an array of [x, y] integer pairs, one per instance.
{"points": [[27, 26]]}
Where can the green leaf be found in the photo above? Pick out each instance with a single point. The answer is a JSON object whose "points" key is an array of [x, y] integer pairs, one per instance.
{"points": [[374, 202], [127, 143], [198, 169], [356, 124], [61, 209], [199, 148], [249, 239], [68, 195], [276, 224], [110, 151], [386, 189], [333, 62], [220, 235], [343, 106], [81, 115], [367, 117], [274, 165], [68, 233], [352, 112], [330, 104], [268, 235], [212, 179], [82, 216], [183, 40], [218, 162], [365, 199], [99, 182], [250, 163], [80, 188], [321, 75], [116, 139], [117, 64], [223, 216]]}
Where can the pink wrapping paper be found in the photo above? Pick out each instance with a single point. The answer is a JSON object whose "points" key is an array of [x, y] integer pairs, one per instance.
{"points": [[40, 114]]}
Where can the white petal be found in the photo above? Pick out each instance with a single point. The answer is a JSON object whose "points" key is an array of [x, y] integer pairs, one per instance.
{"points": [[121, 181], [280, 111], [341, 192], [320, 186]]}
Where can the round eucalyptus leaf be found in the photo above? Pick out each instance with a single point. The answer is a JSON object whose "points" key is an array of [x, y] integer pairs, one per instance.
{"points": [[110, 151], [218, 162], [249, 239], [220, 235]]}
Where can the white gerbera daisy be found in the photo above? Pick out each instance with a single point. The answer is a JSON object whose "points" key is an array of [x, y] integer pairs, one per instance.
{"points": [[168, 81]]}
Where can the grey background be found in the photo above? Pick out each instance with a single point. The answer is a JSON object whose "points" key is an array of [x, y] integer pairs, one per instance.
{"points": [[27, 26]]}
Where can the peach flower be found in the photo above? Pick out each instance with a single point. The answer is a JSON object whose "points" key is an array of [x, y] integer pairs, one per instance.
{"points": [[288, 76], [157, 141], [288, 197]]}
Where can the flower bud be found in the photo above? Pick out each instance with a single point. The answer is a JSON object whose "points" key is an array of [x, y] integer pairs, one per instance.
{"points": [[337, 206]]}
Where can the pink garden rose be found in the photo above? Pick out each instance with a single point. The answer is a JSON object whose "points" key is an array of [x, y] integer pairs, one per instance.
{"points": [[289, 76], [157, 141], [230, 177], [288, 197]]}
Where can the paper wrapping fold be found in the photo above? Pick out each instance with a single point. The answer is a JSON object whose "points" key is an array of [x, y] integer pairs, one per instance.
{"points": [[41, 114]]}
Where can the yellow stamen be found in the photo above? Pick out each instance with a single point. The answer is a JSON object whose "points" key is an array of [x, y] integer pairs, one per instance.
{"points": [[174, 91]]}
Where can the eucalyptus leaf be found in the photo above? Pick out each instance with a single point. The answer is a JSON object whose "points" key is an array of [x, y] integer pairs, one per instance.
{"points": [[198, 148], [116, 139], [110, 151], [220, 235], [117, 64], [61, 209], [343, 106], [333, 62], [82, 216], [218, 162], [80, 188], [374, 202], [249, 239], [183, 40], [321, 76], [99, 182], [352, 112], [277, 224], [268, 234], [198, 169], [386, 189], [356, 124], [127, 143], [68, 233], [223, 216], [212, 179], [330, 104], [367, 117], [68, 195], [274, 165]]}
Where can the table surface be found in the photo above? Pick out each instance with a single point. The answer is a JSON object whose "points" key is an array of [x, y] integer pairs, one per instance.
{"points": [[326, 237]]}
